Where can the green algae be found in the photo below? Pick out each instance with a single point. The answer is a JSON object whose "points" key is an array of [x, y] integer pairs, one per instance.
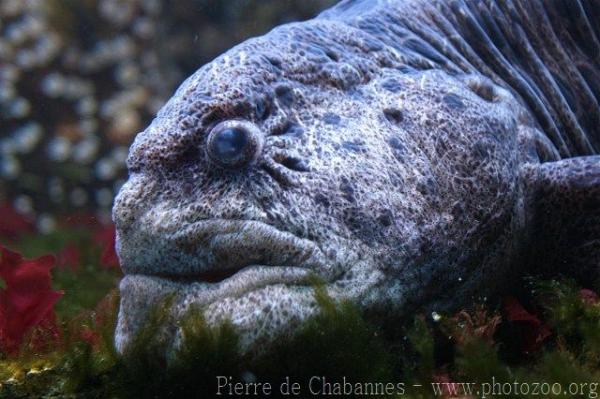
{"points": [[338, 343]]}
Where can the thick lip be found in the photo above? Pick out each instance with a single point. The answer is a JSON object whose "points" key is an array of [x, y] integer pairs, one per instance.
{"points": [[212, 251], [210, 276], [249, 279]]}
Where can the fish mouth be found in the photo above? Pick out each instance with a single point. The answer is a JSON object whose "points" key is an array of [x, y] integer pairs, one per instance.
{"points": [[212, 276], [203, 293], [210, 252], [243, 271]]}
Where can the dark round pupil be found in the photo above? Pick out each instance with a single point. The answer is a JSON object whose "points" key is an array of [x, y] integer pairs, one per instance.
{"points": [[230, 143]]}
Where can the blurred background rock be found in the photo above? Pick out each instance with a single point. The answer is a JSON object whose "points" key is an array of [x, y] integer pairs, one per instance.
{"points": [[79, 78]]}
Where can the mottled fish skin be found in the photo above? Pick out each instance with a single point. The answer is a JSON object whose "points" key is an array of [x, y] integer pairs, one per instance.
{"points": [[391, 140]]}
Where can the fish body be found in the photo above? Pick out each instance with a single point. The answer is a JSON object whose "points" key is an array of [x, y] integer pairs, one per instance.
{"points": [[409, 154]]}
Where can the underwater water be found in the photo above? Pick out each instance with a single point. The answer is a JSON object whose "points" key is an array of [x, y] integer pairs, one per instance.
{"points": [[78, 80]]}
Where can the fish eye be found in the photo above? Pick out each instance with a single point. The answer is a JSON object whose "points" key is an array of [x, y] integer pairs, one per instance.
{"points": [[233, 144]]}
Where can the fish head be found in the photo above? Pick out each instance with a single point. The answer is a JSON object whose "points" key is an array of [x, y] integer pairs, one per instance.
{"points": [[288, 161]]}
